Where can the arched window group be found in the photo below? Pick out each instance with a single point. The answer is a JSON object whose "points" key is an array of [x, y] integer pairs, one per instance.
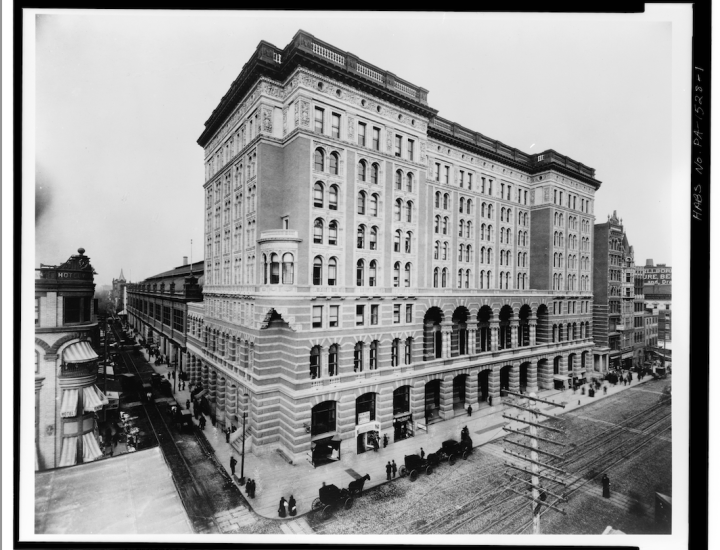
{"points": [[272, 268], [318, 274], [326, 163], [368, 172]]}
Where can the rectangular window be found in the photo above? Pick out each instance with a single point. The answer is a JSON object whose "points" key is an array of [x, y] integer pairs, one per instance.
{"points": [[470, 181], [319, 113], [411, 149], [374, 314], [376, 139], [72, 310], [359, 316], [437, 171], [179, 320], [447, 174], [336, 126], [408, 313], [462, 178], [317, 316], [166, 315], [396, 313], [334, 315], [398, 146], [37, 311], [362, 130]]}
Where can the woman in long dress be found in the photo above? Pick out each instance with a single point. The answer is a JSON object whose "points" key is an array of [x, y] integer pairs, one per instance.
{"points": [[282, 511], [606, 486]]}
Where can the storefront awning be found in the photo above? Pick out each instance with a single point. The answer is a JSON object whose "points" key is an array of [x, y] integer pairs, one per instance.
{"points": [[68, 408], [561, 377], [91, 449], [79, 352], [68, 455], [93, 399]]}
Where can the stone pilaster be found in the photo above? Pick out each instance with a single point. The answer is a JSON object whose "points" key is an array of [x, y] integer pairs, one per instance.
{"points": [[494, 386], [545, 374], [514, 342], [515, 377], [446, 398], [533, 330], [446, 339], [471, 389], [532, 377], [494, 330]]}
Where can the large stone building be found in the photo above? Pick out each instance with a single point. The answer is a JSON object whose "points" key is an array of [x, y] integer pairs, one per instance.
{"points": [[618, 307], [371, 267], [158, 308], [658, 295], [66, 397]]}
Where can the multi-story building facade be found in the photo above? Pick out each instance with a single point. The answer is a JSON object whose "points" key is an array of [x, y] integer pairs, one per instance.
{"points": [[117, 294], [371, 267], [158, 308], [651, 332], [66, 397], [639, 318], [614, 290], [658, 295]]}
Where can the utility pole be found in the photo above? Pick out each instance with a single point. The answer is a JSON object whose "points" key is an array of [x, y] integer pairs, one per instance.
{"points": [[242, 456], [550, 473]]}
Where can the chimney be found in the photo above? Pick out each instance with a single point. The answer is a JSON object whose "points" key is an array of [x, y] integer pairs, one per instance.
{"points": [[185, 260]]}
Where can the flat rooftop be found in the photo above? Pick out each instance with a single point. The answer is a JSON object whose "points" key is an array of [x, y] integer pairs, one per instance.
{"points": [[131, 494]]}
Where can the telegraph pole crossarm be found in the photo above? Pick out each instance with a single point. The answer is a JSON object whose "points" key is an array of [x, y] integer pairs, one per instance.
{"points": [[537, 501], [559, 497], [536, 437], [523, 457], [553, 455], [533, 411], [538, 399], [517, 419], [552, 479]]}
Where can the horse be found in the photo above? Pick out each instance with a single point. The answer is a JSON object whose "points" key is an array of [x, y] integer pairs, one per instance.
{"points": [[356, 486]]}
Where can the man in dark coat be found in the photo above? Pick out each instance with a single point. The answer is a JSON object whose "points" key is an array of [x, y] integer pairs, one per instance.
{"points": [[469, 409], [252, 489], [394, 468], [292, 506], [385, 441], [233, 463], [422, 453], [227, 435], [388, 469], [606, 486], [281, 508], [202, 421]]}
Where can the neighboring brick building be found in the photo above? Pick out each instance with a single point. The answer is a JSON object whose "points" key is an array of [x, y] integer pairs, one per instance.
{"points": [[66, 397], [371, 267], [157, 308], [658, 295]]}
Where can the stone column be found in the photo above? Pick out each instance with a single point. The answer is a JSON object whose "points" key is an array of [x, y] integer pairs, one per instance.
{"points": [[428, 341], [446, 398], [494, 385], [515, 378], [446, 339], [205, 376], [231, 404], [417, 400], [545, 375], [514, 342], [471, 389], [532, 377], [472, 327], [494, 330]]}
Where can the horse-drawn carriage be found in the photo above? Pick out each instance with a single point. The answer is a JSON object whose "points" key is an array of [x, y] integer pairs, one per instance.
{"points": [[356, 486], [415, 464], [330, 497], [451, 450]]}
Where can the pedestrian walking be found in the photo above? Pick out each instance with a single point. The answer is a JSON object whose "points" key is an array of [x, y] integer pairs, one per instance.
{"points": [[227, 435], [388, 470], [248, 487], [422, 453], [385, 441], [394, 469], [233, 463], [187, 404], [490, 400], [252, 488], [604, 390], [202, 421], [606, 486], [375, 444], [469, 410], [282, 511], [292, 506]]}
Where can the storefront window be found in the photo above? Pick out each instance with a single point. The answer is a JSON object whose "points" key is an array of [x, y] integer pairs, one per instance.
{"points": [[365, 408], [323, 418]]}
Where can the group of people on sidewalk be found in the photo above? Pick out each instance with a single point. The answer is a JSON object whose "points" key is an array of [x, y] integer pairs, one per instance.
{"points": [[287, 507]]}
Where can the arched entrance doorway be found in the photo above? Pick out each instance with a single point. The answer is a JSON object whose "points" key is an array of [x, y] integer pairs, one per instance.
{"points": [[432, 334], [458, 344], [542, 329], [367, 436], [524, 326], [432, 401], [483, 385], [505, 378], [459, 392], [402, 418], [524, 367], [558, 378], [505, 334]]}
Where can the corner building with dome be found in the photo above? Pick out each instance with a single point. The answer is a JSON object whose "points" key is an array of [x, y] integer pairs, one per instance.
{"points": [[371, 267]]}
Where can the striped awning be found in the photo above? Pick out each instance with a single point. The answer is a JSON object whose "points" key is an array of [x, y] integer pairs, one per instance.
{"points": [[79, 352], [91, 449], [93, 399], [69, 404], [68, 455]]}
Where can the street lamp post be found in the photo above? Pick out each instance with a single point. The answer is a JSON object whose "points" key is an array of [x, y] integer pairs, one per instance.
{"points": [[242, 455]]}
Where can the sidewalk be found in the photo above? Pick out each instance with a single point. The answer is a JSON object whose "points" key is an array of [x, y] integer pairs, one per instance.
{"points": [[274, 477]]}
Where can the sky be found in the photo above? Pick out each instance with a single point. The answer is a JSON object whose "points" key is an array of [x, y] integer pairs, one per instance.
{"points": [[122, 97]]}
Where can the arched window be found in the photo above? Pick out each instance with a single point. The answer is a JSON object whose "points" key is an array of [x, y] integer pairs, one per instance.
{"points": [[445, 226], [318, 195], [461, 249], [467, 278], [373, 238], [460, 278], [334, 163], [361, 236], [462, 228], [482, 209], [362, 171], [317, 270], [462, 204], [468, 229], [360, 273], [435, 277], [398, 180], [502, 237], [374, 171], [395, 352], [482, 255], [372, 278], [333, 360], [319, 160], [288, 269], [437, 199], [398, 209], [408, 351], [333, 197], [468, 253], [482, 279], [408, 269], [397, 238], [437, 224], [332, 272], [361, 202], [315, 362], [502, 273], [446, 199], [332, 233], [373, 354], [408, 211], [469, 206], [409, 182], [358, 357], [445, 251], [274, 269], [373, 205], [318, 231], [436, 255], [396, 274], [444, 277], [490, 257], [408, 242]]}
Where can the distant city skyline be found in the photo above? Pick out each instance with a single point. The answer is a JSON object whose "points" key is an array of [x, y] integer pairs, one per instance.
{"points": [[122, 98]]}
